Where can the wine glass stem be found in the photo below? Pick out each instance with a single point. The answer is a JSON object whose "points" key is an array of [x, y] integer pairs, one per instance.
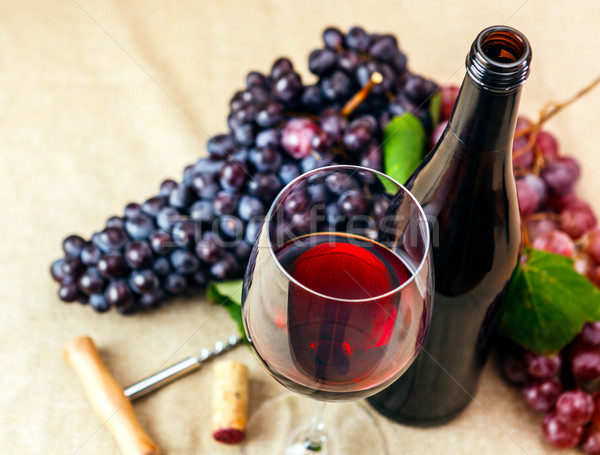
{"points": [[315, 434]]}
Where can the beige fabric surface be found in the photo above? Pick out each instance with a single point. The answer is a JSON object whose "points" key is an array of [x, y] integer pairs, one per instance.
{"points": [[100, 100]]}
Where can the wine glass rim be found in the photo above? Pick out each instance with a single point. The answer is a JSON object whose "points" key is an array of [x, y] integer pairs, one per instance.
{"points": [[398, 288]]}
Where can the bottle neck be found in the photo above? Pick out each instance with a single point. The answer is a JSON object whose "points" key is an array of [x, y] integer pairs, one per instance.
{"points": [[484, 119]]}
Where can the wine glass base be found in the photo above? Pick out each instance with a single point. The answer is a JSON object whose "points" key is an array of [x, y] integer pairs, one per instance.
{"points": [[280, 426]]}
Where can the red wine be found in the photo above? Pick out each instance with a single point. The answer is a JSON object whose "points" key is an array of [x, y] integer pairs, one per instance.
{"points": [[341, 342], [467, 189]]}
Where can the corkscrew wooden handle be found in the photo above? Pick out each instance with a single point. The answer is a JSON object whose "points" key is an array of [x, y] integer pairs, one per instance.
{"points": [[107, 399]]}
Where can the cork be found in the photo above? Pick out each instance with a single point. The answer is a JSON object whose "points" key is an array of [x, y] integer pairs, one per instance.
{"points": [[229, 401]]}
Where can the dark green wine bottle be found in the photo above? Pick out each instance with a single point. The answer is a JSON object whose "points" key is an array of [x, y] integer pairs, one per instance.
{"points": [[467, 189]]}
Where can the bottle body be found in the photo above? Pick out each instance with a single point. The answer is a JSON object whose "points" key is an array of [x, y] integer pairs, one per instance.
{"points": [[467, 189]]}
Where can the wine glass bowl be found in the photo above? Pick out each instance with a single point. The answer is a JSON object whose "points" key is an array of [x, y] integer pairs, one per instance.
{"points": [[336, 298]]}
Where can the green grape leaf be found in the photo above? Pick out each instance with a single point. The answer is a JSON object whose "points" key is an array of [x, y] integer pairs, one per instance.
{"points": [[403, 146], [435, 108], [547, 302], [229, 295]]}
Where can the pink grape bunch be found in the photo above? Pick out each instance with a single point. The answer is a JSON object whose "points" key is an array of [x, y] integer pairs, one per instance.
{"points": [[565, 386]]}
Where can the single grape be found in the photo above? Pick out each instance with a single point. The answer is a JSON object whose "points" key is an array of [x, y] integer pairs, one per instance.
{"points": [[56, 270], [174, 283], [384, 48], [205, 185], [153, 205], [112, 265], [184, 233], [132, 210], [289, 172], [182, 196], [336, 86], [339, 182], [184, 262], [297, 135], [68, 292], [270, 114], [265, 185], [230, 228], [152, 299], [559, 178], [139, 227], [115, 222], [353, 203], [321, 61], [529, 200], [357, 39], [419, 89], [591, 442], [311, 98], [72, 246], [265, 159], [138, 254], [590, 333], [574, 407], [555, 242], [542, 366], [287, 88], [559, 203], [207, 249], [514, 368], [98, 302], [585, 360], [584, 264], [166, 187], [541, 395], [233, 176], [161, 242], [333, 38], [295, 202], [110, 239], [357, 136], [333, 123], [161, 266], [577, 219], [558, 434], [202, 212], [209, 166], [254, 78], [143, 281], [268, 138], [225, 267], [250, 207], [91, 282], [312, 162], [220, 146], [548, 145], [167, 217], [372, 157], [71, 269], [118, 294]]}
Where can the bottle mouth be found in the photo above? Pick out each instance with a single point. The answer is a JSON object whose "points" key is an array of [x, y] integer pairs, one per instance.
{"points": [[499, 58]]}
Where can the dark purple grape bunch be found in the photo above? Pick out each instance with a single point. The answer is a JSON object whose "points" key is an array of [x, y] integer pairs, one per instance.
{"points": [[563, 386], [203, 228]]}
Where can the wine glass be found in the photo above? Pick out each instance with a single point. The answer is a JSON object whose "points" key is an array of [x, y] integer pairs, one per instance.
{"points": [[336, 299]]}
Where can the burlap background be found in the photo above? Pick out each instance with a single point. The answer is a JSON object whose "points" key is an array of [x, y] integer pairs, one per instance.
{"points": [[100, 100]]}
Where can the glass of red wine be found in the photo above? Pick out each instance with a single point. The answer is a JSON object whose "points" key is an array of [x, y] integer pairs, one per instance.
{"points": [[337, 294]]}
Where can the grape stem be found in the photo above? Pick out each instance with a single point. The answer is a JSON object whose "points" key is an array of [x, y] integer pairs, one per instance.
{"points": [[550, 110], [361, 95]]}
